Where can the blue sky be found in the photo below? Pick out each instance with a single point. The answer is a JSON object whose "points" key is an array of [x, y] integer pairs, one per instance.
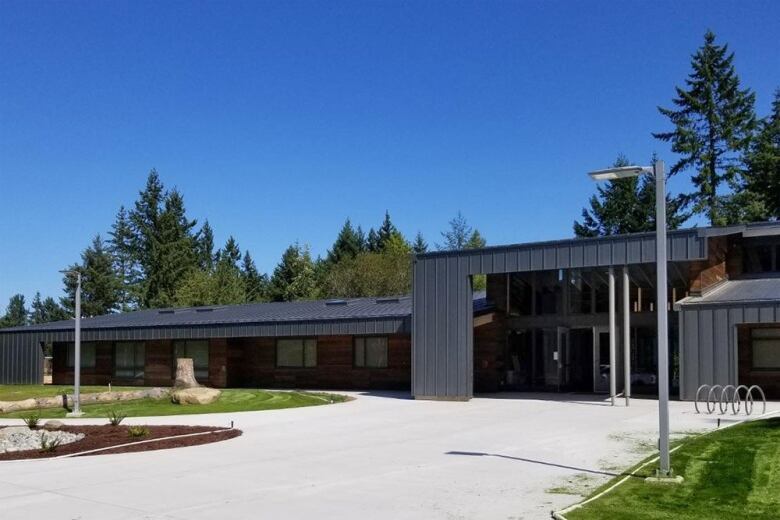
{"points": [[278, 120]]}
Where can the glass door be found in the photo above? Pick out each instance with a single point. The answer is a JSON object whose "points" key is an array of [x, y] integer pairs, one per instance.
{"points": [[601, 359]]}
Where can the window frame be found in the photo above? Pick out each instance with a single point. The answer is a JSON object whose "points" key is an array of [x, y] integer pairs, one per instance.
{"points": [[303, 340], [355, 340], [753, 340], [135, 367], [70, 362], [202, 379]]}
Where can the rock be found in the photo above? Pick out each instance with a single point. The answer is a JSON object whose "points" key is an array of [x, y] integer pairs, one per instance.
{"points": [[200, 395], [10, 431], [53, 424], [185, 374]]}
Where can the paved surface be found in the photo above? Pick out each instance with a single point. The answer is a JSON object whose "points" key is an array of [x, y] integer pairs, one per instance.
{"points": [[378, 457]]}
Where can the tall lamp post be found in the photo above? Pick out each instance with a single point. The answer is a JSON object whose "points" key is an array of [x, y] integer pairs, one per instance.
{"points": [[76, 349], [657, 170]]}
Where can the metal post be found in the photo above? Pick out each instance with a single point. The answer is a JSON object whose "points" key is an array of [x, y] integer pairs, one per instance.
{"points": [[612, 338], [663, 332], [626, 337], [77, 353]]}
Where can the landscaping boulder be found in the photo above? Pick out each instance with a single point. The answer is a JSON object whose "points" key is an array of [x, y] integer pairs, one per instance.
{"points": [[53, 424], [199, 395], [185, 374]]}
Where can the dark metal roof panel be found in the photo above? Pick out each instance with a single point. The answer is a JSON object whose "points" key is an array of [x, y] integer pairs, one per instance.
{"points": [[738, 291]]}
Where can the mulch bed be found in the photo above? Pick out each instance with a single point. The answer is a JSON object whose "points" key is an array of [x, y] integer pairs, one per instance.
{"points": [[104, 436]]}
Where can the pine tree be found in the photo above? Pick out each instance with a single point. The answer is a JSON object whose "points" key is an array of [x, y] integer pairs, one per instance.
{"points": [[627, 206], [173, 252], [100, 284], [420, 245], [372, 241], [347, 245], [255, 284], [294, 277], [46, 310], [762, 175], [205, 247], [16, 313], [713, 124], [460, 236], [126, 261], [386, 232]]}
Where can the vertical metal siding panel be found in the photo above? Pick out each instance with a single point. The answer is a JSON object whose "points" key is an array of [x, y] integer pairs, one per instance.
{"points": [[604, 253], [721, 336], [689, 351], [524, 260], [736, 316], [499, 262], [751, 314], [537, 260], [577, 255], [511, 261], [648, 249], [706, 353], [442, 300], [475, 263], [549, 257], [432, 312], [619, 252], [766, 314], [590, 254], [465, 352]]}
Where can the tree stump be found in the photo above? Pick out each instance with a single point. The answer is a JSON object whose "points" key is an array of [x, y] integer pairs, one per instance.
{"points": [[185, 374]]}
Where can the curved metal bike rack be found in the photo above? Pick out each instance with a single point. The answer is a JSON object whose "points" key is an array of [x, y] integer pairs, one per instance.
{"points": [[719, 397]]}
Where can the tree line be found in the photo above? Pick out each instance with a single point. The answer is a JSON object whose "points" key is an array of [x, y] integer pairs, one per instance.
{"points": [[155, 256], [731, 156]]}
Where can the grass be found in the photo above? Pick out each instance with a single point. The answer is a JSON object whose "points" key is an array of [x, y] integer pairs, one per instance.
{"points": [[731, 473], [19, 392], [231, 400]]}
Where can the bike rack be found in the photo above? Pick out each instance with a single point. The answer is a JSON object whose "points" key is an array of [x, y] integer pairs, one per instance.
{"points": [[718, 398]]}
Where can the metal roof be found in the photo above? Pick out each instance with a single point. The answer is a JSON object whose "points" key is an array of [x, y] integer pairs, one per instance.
{"points": [[738, 291], [251, 313]]}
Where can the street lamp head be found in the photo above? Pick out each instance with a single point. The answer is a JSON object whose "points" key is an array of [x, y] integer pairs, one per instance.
{"points": [[621, 172]]}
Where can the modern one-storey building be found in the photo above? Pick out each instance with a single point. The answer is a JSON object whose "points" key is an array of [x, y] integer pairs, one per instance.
{"points": [[543, 324]]}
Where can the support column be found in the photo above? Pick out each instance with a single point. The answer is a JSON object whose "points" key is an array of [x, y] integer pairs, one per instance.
{"points": [[626, 336], [612, 338]]}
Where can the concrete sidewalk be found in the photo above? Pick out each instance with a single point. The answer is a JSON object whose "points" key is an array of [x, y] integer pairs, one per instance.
{"points": [[379, 456]]}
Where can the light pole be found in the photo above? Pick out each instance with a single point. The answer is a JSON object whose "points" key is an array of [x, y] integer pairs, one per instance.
{"points": [[76, 349], [657, 170]]}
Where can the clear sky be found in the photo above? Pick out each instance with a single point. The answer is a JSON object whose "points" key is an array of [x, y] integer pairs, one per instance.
{"points": [[278, 120]]}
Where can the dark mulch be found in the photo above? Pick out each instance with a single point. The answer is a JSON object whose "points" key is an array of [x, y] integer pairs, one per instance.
{"points": [[107, 435]]}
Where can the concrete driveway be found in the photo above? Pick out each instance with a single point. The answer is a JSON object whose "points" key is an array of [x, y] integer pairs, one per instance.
{"points": [[379, 456]]}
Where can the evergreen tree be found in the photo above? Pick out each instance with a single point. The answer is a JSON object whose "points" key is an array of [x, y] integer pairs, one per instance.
{"points": [[627, 206], [255, 284], [46, 310], [386, 232], [16, 312], [294, 277], [100, 285], [173, 252], [121, 246], [205, 247], [460, 236], [372, 241], [762, 176], [713, 124], [230, 254], [347, 245], [420, 245]]}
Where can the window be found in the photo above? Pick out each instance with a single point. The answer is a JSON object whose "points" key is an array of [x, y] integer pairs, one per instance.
{"points": [[129, 359], [579, 293], [520, 295], [296, 353], [87, 355], [761, 258], [198, 351], [371, 352], [766, 348]]}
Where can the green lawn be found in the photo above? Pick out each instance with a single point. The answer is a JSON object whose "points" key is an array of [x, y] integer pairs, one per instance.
{"points": [[731, 473], [19, 392], [231, 400]]}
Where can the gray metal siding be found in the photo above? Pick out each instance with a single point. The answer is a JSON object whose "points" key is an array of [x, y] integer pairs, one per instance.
{"points": [[21, 360], [708, 341], [442, 313]]}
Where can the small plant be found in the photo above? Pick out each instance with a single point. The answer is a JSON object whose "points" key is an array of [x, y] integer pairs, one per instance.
{"points": [[115, 417], [48, 443], [32, 421], [137, 431]]}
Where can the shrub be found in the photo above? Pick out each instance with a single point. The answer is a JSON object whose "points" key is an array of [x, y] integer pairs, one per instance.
{"points": [[115, 417], [32, 421], [138, 431], [49, 444]]}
